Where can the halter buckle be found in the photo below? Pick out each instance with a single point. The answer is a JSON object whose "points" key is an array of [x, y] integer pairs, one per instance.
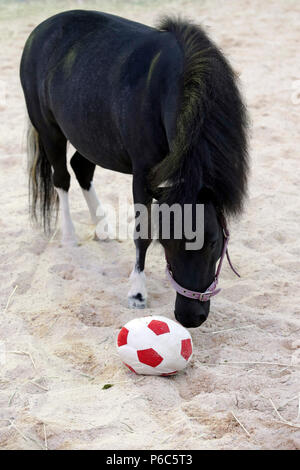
{"points": [[204, 294]]}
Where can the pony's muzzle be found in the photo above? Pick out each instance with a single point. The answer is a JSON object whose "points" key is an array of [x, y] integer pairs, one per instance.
{"points": [[191, 313]]}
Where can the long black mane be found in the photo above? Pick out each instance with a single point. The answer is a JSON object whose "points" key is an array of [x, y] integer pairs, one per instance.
{"points": [[209, 150]]}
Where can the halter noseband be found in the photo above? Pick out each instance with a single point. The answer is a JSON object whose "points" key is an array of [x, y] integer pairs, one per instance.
{"points": [[212, 289]]}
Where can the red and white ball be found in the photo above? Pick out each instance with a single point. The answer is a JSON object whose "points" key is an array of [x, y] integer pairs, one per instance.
{"points": [[154, 345]]}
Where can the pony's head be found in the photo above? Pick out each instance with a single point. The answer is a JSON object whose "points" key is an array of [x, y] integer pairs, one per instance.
{"points": [[192, 264]]}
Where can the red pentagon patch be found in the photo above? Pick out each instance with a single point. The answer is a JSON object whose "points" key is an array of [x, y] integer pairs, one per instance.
{"points": [[122, 337], [186, 348], [129, 367], [159, 327], [169, 373], [149, 357]]}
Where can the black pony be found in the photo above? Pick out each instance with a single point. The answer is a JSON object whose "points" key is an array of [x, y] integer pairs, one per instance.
{"points": [[160, 104]]}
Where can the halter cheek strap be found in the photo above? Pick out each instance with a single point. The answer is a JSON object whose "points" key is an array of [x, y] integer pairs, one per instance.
{"points": [[212, 289]]}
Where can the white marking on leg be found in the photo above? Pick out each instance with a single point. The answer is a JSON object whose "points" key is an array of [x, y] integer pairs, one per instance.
{"points": [[137, 295], [98, 214], [67, 227], [93, 203]]}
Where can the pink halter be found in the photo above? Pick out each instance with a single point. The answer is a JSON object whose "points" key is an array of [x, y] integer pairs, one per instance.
{"points": [[212, 289]]}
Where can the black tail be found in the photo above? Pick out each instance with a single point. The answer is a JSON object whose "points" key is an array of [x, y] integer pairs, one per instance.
{"points": [[210, 146], [43, 200]]}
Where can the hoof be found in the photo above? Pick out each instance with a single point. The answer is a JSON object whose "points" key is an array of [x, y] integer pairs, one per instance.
{"points": [[103, 234], [137, 301]]}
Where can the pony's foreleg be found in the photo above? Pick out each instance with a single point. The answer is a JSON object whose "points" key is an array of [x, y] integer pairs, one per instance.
{"points": [[137, 295]]}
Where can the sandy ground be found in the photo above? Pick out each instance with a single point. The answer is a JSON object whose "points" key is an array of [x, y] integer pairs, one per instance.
{"points": [[60, 326]]}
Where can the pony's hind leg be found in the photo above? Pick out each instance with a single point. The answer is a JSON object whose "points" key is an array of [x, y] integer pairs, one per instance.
{"points": [[84, 171], [68, 236], [54, 143]]}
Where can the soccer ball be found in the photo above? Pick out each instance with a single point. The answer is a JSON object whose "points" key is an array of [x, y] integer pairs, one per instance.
{"points": [[154, 345]]}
